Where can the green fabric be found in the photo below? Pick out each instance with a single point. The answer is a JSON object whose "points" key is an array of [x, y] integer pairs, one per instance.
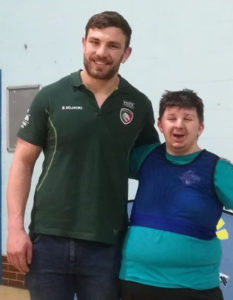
{"points": [[137, 157], [166, 259], [82, 190]]}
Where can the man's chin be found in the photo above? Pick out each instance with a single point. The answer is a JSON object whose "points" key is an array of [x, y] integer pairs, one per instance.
{"points": [[100, 75]]}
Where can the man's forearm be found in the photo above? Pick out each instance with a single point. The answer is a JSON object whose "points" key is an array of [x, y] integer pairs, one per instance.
{"points": [[17, 193]]}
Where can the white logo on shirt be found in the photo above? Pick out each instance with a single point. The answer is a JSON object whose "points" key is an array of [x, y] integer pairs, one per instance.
{"points": [[26, 120], [69, 107], [128, 104]]}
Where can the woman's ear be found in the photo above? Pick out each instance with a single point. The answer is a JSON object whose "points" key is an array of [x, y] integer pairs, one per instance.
{"points": [[159, 124], [201, 128]]}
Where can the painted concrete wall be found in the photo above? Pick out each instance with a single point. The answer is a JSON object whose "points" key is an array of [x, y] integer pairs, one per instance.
{"points": [[176, 44]]}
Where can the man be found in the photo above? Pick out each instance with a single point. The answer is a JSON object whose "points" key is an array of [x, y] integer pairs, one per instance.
{"points": [[86, 124]]}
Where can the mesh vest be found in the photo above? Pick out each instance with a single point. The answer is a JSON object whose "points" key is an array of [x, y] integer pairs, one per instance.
{"points": [[178, 198]]}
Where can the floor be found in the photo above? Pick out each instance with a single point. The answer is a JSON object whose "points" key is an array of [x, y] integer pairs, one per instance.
{"points": [[9, 293]]}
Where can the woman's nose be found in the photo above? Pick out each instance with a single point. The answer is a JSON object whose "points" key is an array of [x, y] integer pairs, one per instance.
{"points": [[179, 123]]}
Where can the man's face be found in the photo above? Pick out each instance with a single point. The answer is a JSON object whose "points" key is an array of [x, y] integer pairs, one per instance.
{"points": [[181, 128], [104, 51]]}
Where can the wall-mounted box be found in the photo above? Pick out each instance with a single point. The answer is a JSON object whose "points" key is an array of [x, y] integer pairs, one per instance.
{"points": [[19, 99]]}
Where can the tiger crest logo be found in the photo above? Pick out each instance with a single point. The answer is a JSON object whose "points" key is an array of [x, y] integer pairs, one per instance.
{"points": [[126, 116]]}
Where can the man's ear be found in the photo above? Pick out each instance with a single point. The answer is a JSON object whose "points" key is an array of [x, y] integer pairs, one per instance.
{"points": [[126, 54], [83, 43]]}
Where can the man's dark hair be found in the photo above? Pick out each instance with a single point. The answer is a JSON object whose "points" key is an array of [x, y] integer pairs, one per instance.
{"points": [[185, 98], [110, 19]]}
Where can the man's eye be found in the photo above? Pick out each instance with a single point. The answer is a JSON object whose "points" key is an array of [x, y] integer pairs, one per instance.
{"points": [[113, 46], [94, 42]]}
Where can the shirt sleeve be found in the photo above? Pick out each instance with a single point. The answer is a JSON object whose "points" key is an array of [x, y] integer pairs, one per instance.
{"points": [[149, 134], [137, 157], [33, 128], [223, 181]]}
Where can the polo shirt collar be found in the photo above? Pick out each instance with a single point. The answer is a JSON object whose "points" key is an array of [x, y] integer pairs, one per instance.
{"points": [[76, 79]]}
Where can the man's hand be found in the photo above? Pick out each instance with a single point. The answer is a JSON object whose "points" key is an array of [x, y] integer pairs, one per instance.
{"points": [[19, 250]]}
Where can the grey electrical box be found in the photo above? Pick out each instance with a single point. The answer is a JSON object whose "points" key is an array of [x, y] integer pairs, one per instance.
{"points": [[19, 100]]}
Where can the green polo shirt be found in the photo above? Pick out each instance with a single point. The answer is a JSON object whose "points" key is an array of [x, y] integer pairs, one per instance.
{"points": [[82, 190]]}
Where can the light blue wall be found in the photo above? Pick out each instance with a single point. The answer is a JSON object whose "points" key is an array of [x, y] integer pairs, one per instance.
{"points": [[176, 44], [0, 177]]}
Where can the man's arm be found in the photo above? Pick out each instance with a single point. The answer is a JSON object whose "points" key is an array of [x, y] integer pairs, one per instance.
{"points": [[137, 157], [19, 247], [148, 134]]}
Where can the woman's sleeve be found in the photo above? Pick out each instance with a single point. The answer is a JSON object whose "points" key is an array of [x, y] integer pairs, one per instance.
{"points": [[223, 181]]}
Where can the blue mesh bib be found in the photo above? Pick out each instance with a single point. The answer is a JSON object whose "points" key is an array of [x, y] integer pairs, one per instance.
{"points": [[178, 198]]}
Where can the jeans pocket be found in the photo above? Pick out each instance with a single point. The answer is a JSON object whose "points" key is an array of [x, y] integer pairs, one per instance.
{"points": [[35, 237]]}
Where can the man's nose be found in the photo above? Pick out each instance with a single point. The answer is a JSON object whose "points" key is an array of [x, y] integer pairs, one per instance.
{"points": [[102, 50]]}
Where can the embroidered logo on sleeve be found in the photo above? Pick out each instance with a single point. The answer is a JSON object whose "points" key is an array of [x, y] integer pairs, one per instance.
{"points": [[126, 116], [26, 119]]}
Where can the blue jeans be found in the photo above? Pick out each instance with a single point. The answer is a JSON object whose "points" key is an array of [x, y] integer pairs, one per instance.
{"points": [[62, 268]]}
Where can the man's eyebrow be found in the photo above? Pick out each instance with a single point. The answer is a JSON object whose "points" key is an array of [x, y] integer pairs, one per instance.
{"points": [[93, 38], [114, 43]]}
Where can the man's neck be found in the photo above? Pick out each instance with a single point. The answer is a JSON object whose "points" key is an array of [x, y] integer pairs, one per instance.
{"points": [[100, 88]]}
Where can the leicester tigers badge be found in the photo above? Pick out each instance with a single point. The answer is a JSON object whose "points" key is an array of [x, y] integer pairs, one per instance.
{"points": [[126, 116]]}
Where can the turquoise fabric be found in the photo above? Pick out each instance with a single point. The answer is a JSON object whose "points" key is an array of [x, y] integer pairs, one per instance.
{"points": [[166, 259]]}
